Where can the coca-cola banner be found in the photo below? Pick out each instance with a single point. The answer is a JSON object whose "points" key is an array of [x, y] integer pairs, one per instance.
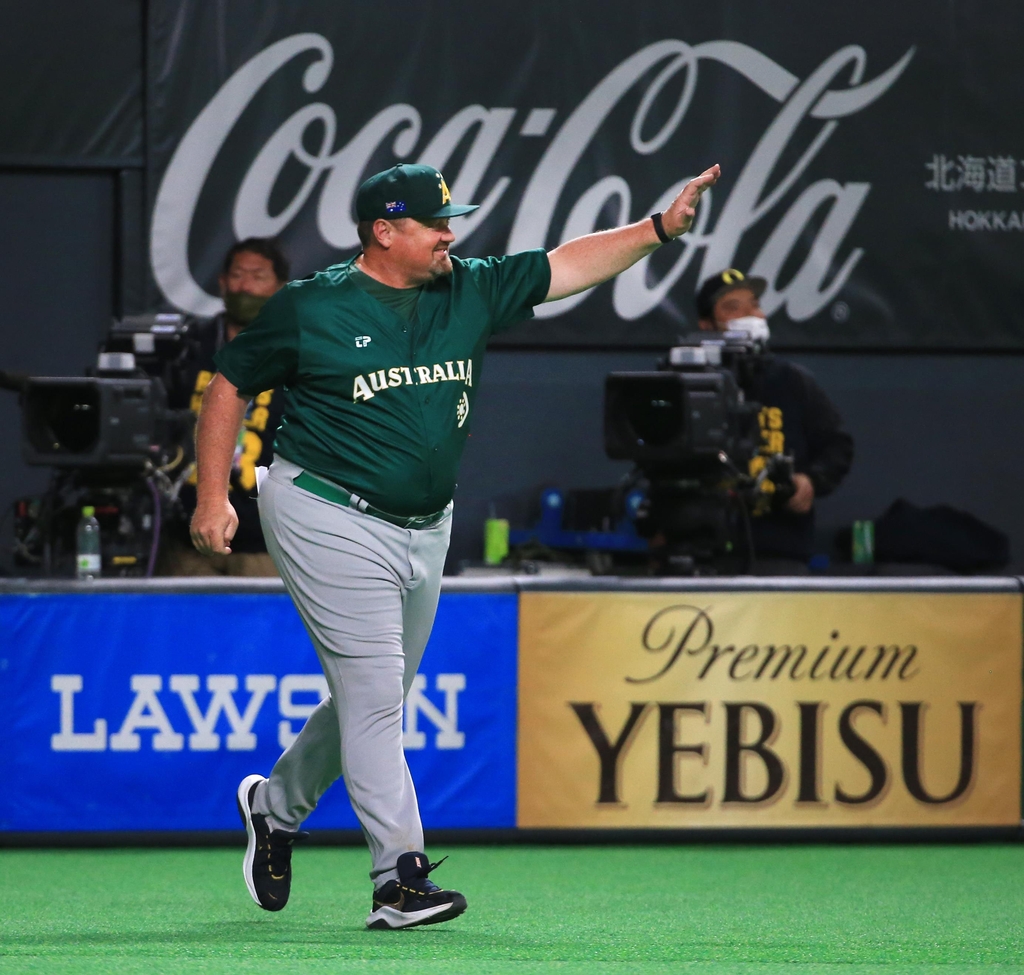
{"points": [[872, 154]]}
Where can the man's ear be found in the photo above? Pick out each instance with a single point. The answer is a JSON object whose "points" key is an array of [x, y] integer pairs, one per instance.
{"points": [[706, 325], [222, 281], [382, 232]]}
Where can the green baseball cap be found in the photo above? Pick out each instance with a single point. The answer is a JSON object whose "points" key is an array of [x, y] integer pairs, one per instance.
{"points": [[407, 190]]}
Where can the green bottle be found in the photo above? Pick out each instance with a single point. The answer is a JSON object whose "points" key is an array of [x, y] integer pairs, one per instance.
{"points": [[863, 542], [495, 540]]}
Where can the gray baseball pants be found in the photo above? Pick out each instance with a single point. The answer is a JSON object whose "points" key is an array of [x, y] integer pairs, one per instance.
{"points": [[367, 593]]}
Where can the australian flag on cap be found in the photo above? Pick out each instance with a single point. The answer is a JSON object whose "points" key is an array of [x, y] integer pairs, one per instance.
{"points": [[395, 207]]}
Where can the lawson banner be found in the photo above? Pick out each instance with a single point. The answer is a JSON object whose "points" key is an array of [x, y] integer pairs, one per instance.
{"points": [[143, 712], [872, 154], [769, 709]]}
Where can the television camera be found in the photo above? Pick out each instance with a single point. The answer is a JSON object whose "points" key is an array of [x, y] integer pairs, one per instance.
{"points": [[693, 432], [114, 441]]}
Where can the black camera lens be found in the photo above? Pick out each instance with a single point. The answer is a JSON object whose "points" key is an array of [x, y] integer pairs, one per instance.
{"points": [[63, 419]]}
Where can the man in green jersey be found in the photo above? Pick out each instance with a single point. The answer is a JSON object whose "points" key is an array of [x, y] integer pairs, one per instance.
{"points": [[379, 358]]}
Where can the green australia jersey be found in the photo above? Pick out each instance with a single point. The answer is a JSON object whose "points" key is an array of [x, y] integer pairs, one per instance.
{"points": [[375, 400]]}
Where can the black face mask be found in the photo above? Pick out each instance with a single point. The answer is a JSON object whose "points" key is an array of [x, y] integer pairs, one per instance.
{"points": [[242, 307]]}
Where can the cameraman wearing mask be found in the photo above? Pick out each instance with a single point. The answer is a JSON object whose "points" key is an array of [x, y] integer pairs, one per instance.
{"points": [[796, 419], [253, 270]]}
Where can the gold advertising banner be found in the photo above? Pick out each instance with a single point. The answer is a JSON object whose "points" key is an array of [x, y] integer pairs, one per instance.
{"points": [[769, 709]]}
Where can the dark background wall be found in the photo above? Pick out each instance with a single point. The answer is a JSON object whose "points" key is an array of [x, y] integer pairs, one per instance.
{"points": [[931, 428], [56, 298], [928, 427]]}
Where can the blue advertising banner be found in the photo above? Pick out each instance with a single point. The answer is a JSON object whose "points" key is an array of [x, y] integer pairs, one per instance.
{"points": [[143, 712]]}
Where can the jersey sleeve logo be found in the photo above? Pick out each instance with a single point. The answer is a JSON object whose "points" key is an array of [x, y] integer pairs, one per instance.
{"points": [[462, 410], [362, 341]]}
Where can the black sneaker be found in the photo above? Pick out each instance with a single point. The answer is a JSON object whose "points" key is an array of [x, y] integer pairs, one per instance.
{"points": [[413, 899], [267, 867]]}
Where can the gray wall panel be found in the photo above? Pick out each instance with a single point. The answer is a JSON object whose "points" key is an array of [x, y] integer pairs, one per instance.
{"points": [[56, 288], [930, 428]]}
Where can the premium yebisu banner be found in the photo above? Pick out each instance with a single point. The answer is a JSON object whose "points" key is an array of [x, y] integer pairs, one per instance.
{"points": [[769, 709]]}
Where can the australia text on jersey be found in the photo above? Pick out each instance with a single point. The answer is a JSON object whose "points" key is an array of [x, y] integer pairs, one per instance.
{"points": [[366, 387]]}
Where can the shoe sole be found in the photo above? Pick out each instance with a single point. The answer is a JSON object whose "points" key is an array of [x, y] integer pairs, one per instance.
{"points": [[245, 812], [388, 919]]}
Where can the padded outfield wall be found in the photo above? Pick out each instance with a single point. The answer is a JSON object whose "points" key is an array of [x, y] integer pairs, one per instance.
{"points": [[136, 707]]}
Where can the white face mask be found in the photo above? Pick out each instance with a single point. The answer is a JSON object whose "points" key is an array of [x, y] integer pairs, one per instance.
{"points": [[756, 328]]}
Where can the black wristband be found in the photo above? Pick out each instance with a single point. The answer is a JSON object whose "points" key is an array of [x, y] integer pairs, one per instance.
{"points": [[659, 228]]}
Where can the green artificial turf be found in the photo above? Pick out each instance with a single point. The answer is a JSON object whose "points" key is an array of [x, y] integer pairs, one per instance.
{"points": [[716, 909]]}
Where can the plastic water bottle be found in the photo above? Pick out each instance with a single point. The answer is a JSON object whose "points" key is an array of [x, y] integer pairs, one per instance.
{"points": [[87, 540]]}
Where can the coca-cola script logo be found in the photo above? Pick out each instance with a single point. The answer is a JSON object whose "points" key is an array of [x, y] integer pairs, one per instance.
{"points": [[635, 294]]}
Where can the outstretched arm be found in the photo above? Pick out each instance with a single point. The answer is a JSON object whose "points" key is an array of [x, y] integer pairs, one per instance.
{"points": [[214, 522], [586, 261]]}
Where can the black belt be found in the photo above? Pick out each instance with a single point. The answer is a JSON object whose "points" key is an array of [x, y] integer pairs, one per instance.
{"points": [[339, 495]]}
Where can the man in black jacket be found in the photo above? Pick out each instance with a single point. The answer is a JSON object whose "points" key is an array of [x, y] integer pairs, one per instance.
{"points": [[254, 269], [796, 419]]}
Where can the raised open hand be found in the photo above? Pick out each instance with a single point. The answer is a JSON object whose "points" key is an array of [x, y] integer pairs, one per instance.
{"points": [[677, 218]]}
